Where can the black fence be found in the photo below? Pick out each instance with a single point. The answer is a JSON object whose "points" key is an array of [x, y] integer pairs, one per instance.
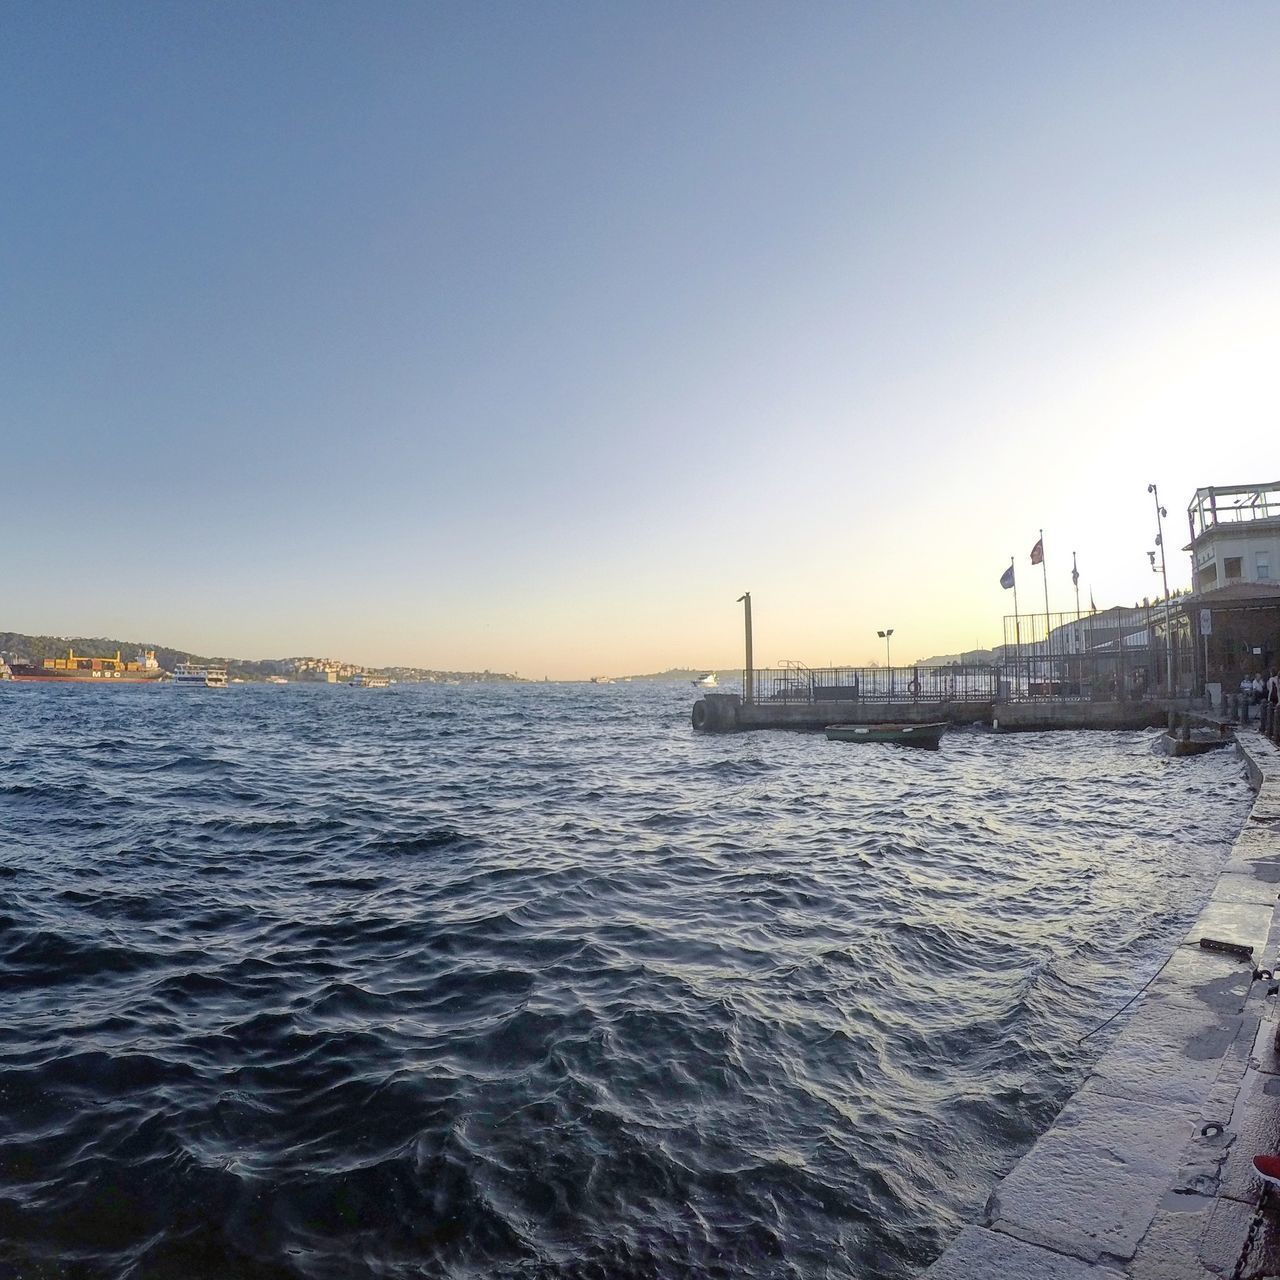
{"points": [[1115, 656], [1118, 655], [800, 684]]}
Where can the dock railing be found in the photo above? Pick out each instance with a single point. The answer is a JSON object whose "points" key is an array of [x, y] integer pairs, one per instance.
{"points": [[796, 683], [1120, 655]]}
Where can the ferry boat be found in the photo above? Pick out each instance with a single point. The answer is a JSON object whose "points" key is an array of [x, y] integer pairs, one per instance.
{"points": [[708, 681], [77, 669], [200, 675], [367, 680]]}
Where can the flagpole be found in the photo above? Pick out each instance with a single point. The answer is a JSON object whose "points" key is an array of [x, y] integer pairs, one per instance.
{"points": [[1017, 636], [1044, 568], [1093, 663], [1045, 571], [1017, 624], [1075, 582]]}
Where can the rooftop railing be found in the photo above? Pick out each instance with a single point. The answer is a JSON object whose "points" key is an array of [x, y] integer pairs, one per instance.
{"points": [[1235, 504]]}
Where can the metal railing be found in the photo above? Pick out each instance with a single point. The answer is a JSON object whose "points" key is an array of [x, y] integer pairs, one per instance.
{"points": [[1119, 655], [796, 683]]}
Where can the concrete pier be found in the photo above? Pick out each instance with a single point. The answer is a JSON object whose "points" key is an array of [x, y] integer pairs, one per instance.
{"points": [[1147, 1172], [729, 713]]}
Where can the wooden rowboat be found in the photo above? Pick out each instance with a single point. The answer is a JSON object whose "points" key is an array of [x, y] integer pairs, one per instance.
{"points": [[906, 735]]}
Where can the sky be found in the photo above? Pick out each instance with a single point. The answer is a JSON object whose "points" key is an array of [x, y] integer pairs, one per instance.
{"points": [[529, 336]]}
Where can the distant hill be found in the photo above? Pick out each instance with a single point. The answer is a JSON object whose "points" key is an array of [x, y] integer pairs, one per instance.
{"points": [[35, 648]]}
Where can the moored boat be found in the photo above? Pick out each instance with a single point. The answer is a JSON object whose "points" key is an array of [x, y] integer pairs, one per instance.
{"points": [[928, 736], [1199, 741]]}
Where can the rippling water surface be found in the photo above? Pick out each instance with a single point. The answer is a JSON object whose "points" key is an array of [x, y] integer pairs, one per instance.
{"points": [[534, 982]]}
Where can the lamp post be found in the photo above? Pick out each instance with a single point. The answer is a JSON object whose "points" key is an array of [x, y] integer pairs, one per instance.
{"points": [[1164, 577], [749, 678], [885, 636]]}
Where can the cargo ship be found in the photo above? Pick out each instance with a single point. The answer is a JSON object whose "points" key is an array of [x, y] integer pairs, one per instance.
{"points": [[73, 667]]}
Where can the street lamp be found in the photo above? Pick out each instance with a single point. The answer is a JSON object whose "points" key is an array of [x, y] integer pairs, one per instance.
{"points": [[1164, 577], [884, 635]]}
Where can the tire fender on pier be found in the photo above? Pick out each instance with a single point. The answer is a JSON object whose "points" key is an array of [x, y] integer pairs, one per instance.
{"points": [[716, 713]]}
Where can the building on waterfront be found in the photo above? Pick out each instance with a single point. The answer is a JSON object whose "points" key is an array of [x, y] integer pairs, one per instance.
{"points": [[1235, 535], [1238, 632], [1234, 612]]}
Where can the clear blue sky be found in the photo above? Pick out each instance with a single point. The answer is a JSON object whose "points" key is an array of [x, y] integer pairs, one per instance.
{"points": [[529, 335]]}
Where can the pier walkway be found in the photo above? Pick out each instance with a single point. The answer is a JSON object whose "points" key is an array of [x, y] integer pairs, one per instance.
{"points": [[728, 713], [1147, 1172]]}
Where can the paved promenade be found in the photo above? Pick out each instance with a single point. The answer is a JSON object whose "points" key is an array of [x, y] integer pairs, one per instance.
{"points": [[1147, 1172]]}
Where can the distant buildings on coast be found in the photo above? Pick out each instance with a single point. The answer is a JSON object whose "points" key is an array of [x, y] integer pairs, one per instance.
{"points": [[19, 652]]}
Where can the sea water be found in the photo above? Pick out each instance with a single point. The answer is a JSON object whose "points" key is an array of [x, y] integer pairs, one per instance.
{"points": [[533, 981]]}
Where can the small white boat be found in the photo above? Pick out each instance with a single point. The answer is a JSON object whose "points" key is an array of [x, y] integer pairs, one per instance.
{"points": [[708, 681], [199, 675]]}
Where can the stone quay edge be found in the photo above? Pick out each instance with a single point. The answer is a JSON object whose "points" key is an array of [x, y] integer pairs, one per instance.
{"points": [[1147, 1172]]}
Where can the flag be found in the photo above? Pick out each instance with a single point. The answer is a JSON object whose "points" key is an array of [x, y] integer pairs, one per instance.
{"points": [[1093, 608], [1037, 552], [1006, 578], [1075, 573]]}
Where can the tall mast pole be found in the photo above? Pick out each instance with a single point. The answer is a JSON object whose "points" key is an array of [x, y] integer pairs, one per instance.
{"points": [[749, 683], [1164, 577], [1044, 569], [1075, 582], [1017, 629]]}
